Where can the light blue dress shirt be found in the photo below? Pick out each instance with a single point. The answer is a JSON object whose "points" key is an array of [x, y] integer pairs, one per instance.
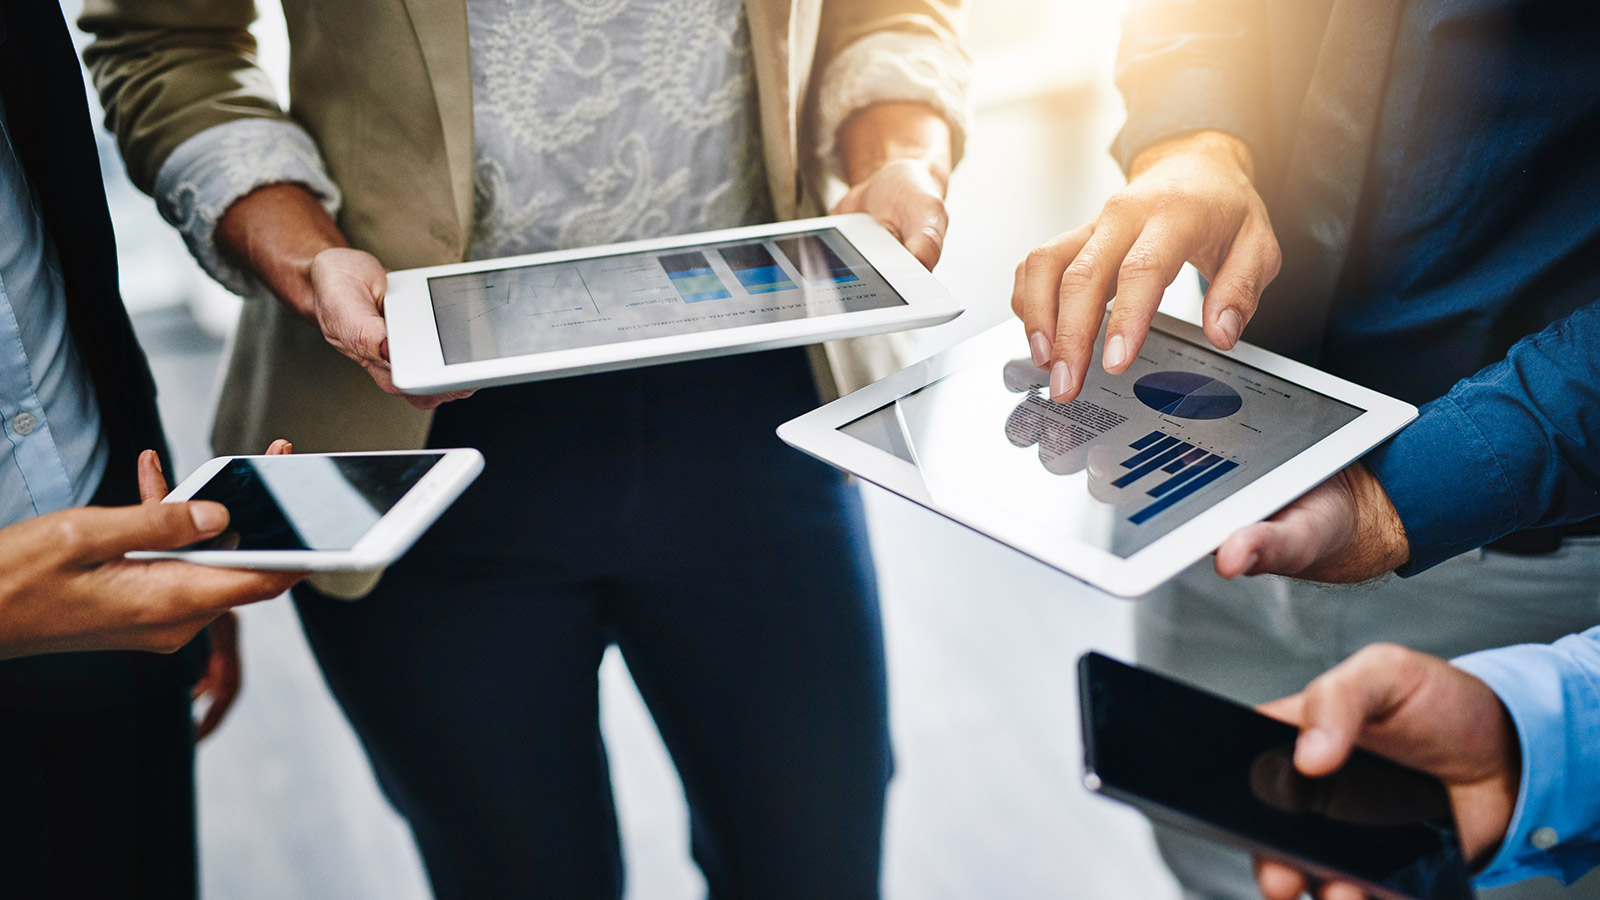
{"points": [[1553, 694], [52, 452]]}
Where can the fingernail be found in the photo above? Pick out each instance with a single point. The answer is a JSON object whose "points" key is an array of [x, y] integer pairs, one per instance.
{"points": [[156, 458], [1060, 382], [208, 517], [1232, 325], [1250, 564], [1039, 345], [1314, 746], [1116, 351]]}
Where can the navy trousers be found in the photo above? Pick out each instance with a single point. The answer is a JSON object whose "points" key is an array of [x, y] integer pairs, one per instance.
{"points": [[654, 510]]}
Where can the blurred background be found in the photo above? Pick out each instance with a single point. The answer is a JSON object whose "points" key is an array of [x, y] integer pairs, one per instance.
{"points": [[982, 642]]}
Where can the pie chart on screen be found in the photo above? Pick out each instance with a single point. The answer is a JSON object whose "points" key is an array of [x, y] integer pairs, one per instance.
{"points": [[1187, 395]]}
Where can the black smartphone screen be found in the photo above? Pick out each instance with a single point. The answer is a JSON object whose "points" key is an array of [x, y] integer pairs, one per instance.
{"points": [[311, 502], [1202, 762]]}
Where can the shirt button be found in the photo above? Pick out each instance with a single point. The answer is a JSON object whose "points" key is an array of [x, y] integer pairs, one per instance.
{"points": [[1544, 838], [24, 423]]}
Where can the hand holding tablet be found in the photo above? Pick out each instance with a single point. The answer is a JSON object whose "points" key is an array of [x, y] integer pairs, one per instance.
{"points": [[1145, 472], [322, 512]]}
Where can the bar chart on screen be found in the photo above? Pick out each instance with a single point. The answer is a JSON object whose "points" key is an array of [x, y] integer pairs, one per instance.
{"points": [[1187, 468], [694, 278], [817, 261], [756, 269]]}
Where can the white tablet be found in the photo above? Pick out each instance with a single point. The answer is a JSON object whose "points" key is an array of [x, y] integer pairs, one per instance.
{"points": [[549, 315], [1143, 474], [322, 512]]}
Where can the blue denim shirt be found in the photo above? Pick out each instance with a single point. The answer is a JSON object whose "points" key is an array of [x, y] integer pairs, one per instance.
{"points": [[1481, 225], [1553, 694], [52, 452]]}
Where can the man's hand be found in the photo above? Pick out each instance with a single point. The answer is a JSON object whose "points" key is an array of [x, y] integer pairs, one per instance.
{"points": [[223, 676], [1418, 710], [1343, 531], [1191, 199], [65, 586], [282, 234], [896, 158]]}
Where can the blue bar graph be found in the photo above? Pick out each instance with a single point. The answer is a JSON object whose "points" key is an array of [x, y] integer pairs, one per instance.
{"points": [[1192, 456], [1189, 469], [1177, 480], [1150, 452], [755, 268], [1151, 466], [1147, 440], [1162, 505]]}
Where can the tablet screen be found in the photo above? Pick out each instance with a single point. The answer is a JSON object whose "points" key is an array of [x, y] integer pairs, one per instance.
{"points": [[311, 502], [629, 297], [1133, 458]]}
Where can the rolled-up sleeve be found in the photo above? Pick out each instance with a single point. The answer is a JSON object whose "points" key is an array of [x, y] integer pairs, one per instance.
{"points": [[889, 51], [1192, 65], [894, 67], [208, 172], [1515, 446], [1553, 695]]}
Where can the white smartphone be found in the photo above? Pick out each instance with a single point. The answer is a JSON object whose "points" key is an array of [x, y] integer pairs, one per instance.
{"points": [[322, 512]]}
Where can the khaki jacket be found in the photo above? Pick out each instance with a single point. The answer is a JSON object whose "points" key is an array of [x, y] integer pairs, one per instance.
{"points": [[384, 88]]}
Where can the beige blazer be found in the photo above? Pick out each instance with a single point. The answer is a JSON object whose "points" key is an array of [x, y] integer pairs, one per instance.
{"points": [[384, 87]]}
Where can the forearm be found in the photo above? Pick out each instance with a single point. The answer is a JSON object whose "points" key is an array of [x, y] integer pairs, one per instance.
{"points": [[1525, 430], [168, 70], [275, 232], [888, 132], [1186, 66]]}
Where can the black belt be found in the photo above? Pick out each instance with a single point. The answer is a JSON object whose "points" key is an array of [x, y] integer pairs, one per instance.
{"points": [[1539, 541]]}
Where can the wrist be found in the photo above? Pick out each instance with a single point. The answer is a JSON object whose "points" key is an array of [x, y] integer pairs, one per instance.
{"points": [[1378, 522], [884, 133], [1215, 148], [276, 232]]}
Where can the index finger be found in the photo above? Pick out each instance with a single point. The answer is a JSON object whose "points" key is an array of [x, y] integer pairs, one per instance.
{"points": [[1150, 266]]}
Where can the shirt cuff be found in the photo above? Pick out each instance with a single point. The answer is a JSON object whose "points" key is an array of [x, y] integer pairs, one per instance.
{"points": [[1438, 525], [208, 172], [893, 67], [1554, 701]]}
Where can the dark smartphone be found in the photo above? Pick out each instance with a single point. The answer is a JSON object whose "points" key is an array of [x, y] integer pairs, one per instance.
{"points": [[1220, 769]]}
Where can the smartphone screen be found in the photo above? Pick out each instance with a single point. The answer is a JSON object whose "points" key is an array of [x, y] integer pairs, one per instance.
{"points": [[1200, 762], [312, 502]]}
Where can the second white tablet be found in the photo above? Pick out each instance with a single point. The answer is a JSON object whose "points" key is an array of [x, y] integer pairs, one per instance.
{"points": [[1141, 475], [549, 315]]}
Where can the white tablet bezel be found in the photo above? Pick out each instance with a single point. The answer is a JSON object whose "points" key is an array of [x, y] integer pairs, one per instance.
{"points": [[817, 433], [417, 359], [390, 537]]}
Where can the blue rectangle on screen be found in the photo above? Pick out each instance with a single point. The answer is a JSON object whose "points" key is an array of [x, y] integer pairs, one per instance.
{"points": [[1166, 503], [1180, 478], [1149, 453], [1147, 440], [1154, 464]]}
